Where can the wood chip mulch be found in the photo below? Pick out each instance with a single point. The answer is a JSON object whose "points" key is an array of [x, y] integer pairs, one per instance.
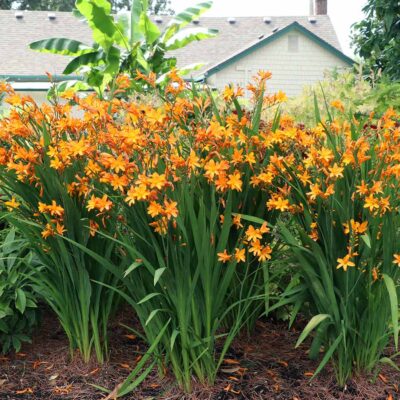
{"points": [[263, 366]]}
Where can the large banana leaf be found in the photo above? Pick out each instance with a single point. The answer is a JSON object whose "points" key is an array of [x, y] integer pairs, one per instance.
{"points": [[149, 29], [63, 46], [84, 60], [101, 22], [186, 36], [185, 17]]}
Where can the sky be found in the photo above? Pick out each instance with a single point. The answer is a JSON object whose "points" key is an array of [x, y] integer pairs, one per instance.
{"points": [[342, 12]]}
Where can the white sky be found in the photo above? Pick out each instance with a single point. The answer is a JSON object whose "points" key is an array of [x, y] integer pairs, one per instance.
{"points": [[342, 12]]}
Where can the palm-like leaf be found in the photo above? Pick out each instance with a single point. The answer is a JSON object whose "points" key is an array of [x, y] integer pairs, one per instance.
{"points": [[186, 36], [63, 46]]}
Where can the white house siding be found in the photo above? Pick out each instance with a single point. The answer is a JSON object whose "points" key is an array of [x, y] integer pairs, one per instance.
{"points": [[291, 70]]}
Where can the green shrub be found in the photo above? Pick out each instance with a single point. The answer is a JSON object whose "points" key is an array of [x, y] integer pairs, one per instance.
{"points": [[358, 95]]}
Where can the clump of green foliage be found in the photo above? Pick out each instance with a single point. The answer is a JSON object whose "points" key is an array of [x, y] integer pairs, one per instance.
{"points": [[128, 42], [377, 37], [18, 301], [359, 95]]}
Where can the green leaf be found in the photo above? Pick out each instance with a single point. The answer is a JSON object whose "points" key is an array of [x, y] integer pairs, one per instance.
{"points": [[130, 383], [366, 240], [389, 361], [148, 297], [316, 110], [149, 29], [186, 36], [174, 335], [157, 274], [328, 355], [394, 306], [312, 324], [136, 35], [85, 60], [100, 20], [183, 18], [63, 46], [20, 300], [152, 315], [132, 267]]}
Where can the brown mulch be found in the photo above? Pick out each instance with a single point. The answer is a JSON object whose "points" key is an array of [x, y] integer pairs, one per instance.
{"points": [[263, 366]]}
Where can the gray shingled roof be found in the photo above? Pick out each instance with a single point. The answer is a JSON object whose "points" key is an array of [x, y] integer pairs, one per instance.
{"points": [[16, 34]]}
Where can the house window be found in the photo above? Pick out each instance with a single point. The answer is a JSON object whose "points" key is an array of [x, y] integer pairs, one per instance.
{"points": [[293, 43]]}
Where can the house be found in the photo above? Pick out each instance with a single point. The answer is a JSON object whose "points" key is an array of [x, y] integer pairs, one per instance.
{"points": [[297, 50]]}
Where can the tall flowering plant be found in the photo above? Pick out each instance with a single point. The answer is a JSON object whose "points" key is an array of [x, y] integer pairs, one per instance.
{"points": [[185, 173], [339, 182], [157, 191], [43, 151]]}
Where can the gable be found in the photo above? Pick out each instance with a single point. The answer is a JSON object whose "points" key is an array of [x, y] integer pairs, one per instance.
{"points": [[267, 41], [294, 59]]}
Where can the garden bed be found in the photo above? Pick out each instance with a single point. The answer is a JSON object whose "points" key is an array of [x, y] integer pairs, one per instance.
{"points": [[264, 366]]}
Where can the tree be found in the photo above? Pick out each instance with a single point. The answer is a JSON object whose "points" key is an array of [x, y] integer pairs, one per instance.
{"points": [[46, 5], [377, 37], [6, 4], [155, 6], [158, 7]]}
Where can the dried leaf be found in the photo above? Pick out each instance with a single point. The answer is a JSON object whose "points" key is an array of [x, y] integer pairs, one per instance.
{"points": [[131, 337], [113, 395], [230, 361], [125, 366], [283, 363], [383, 378], [25, 391], [95, 371], [63, 389], [53, 377], [37, 364], [230, 370], [228, 388]]}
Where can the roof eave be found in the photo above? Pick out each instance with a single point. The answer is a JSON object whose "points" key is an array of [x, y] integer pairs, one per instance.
{"points": [[38, 78]]}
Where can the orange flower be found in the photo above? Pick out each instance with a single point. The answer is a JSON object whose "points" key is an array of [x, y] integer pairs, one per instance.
{"points": [[12, 204], [336, 171], [252, 233], [157, 181], [237, 221], [240, 255], [256, 247], [372, 203], [224, 256], [396, 259], [265, 254], [170, 210], [345, 262], [154, 209], [137, 193], [53, 209], [234, 181], [100, 203]]}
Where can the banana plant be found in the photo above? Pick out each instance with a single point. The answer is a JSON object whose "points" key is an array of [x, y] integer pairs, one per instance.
{"points": [[124, 43]]}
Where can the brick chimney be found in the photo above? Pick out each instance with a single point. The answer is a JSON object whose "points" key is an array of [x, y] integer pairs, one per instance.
{"points": [[321, 7]]}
